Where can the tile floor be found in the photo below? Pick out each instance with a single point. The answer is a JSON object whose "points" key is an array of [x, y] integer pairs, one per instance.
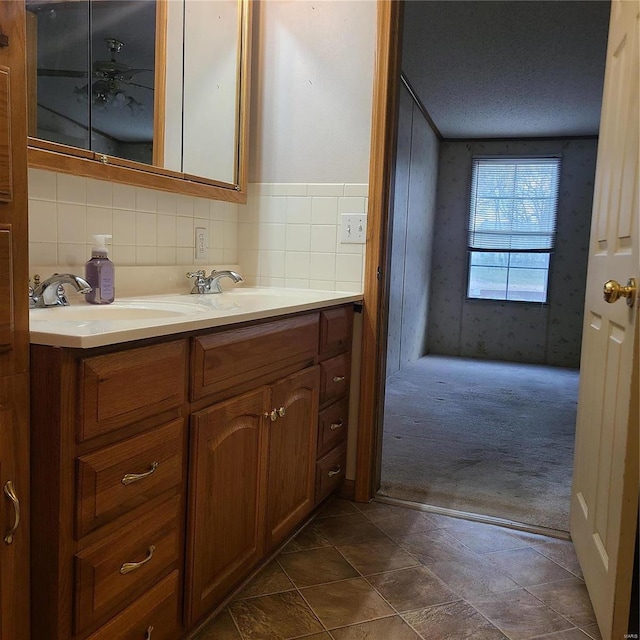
{"points": [[381, 572]]}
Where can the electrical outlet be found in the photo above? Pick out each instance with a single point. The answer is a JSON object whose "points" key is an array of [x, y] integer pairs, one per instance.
{"points": [[201, 243], [353, 228]]}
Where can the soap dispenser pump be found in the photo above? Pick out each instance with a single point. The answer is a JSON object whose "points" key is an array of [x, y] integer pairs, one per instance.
{"points": [[99, 273]]}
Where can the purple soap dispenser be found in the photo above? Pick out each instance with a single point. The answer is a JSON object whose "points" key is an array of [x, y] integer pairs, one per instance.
{"points": [[99, 273]]}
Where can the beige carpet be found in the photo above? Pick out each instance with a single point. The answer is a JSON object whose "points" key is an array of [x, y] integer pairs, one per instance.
{"points": [[493, 438]]}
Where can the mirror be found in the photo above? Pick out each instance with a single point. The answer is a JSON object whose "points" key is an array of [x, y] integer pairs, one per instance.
{"points": [[148, 92]]}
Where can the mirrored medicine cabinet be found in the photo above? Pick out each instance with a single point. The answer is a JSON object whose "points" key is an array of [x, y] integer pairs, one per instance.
{"points": [[153, 93]]}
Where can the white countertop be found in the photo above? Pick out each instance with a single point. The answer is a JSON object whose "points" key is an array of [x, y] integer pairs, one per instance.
{"points": [[83, 325]]}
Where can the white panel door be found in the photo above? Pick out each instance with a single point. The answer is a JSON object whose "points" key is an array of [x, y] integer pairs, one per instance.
{"points": [[605, 487]]}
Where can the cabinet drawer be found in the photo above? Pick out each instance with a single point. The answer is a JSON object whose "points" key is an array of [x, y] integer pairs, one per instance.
{"points": [[113, 572], [330, 471], [335, 330], [333, 423], [334, 382], [122, 388], [227, 360], [120, 478], [157, 608]]}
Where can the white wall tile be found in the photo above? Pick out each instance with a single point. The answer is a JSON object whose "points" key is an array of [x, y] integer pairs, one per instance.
{"points": [[42, 184], [354, 287], [323, 238], [43, 221], [146, 255], [248, 236], [348, 268], [296, 265], [296, 283], [70, 188], [201, 208], [124, 255], [322, 266], [325, 189], [72, 222], [167, 233], [361, 190], [287, 189], [124, 196], [322, 285], [184, 232], [216, 234], [43, 253], [272, 264], [166, 255], [146, 229], [271, 209], [99, 220], [324, 210], [351, 205], [184, 206], [99, 193], [124, 228], [230, 235], [298, 237], [167, 202], [249, 263], [229, 255], [269, 281], [73, 254], [273, 237], [184, 255], [298, 210], [146, 200]]}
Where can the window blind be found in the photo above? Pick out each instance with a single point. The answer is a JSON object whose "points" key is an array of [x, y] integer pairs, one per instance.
{"points": [[513, 204]]}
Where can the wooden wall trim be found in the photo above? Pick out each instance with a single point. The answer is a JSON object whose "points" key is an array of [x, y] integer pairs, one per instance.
{"points": [[381, 176], [160, 83]]}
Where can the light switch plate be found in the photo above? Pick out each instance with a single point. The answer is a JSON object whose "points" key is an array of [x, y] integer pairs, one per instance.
{"points": [[353, 228]]}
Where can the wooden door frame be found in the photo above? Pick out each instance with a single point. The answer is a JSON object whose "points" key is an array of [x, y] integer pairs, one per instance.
{"points": [[384, 125]]}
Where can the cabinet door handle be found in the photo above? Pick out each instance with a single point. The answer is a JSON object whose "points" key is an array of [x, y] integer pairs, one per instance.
{"points": [[128, 567], [10, 492], [336, 425], [282, 412], [147, 636], [272, 415], [338, 378], [130, 478], [335, 471]]}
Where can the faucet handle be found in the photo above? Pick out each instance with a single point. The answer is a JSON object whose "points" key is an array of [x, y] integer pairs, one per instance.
{"points": [[196, 274]]}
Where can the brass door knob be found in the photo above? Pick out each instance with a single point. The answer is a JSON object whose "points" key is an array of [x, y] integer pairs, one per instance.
{"points": [[613, 291]]}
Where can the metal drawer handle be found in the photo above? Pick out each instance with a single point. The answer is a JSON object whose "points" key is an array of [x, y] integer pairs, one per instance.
{"points": [[128, 567], [282, 412], [335, 471], [336, 425], [130, 478], [338, 378], [147, 636], [10, 492]]}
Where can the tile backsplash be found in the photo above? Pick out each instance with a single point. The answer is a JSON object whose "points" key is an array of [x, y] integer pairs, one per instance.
{"points": [[289, 236], [149, 227], [286, 235]]}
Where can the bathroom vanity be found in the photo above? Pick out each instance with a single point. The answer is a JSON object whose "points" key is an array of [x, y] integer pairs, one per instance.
{"points": [[167, 468]]}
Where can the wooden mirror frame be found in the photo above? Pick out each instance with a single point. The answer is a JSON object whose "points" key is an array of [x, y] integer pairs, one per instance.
{"points": [[53, 156]]}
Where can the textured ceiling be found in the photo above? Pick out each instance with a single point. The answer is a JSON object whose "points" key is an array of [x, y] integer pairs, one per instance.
{"points": [[515, 68]]}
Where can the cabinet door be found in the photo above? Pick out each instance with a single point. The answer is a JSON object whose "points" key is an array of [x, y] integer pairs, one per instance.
{"points": [[226, 498], [292, 453]]}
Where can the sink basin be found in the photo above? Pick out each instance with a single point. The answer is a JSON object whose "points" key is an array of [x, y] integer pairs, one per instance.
{"points": [[118, 311]]}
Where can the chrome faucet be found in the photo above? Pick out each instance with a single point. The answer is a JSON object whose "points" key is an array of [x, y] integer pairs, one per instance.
{"points": [[211, 284], [50, 293]]}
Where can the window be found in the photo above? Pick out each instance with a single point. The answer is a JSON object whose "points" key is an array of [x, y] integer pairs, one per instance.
{"points": [[512, 225]]}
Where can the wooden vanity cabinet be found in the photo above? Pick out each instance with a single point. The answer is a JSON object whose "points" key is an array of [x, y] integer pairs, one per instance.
{"points": [[336, 328], [108, 476], [219, 444], [252, 471]]}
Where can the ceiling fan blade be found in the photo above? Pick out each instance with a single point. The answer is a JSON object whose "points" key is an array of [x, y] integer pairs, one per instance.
{"points": [[62, 73], [136, 84]]}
